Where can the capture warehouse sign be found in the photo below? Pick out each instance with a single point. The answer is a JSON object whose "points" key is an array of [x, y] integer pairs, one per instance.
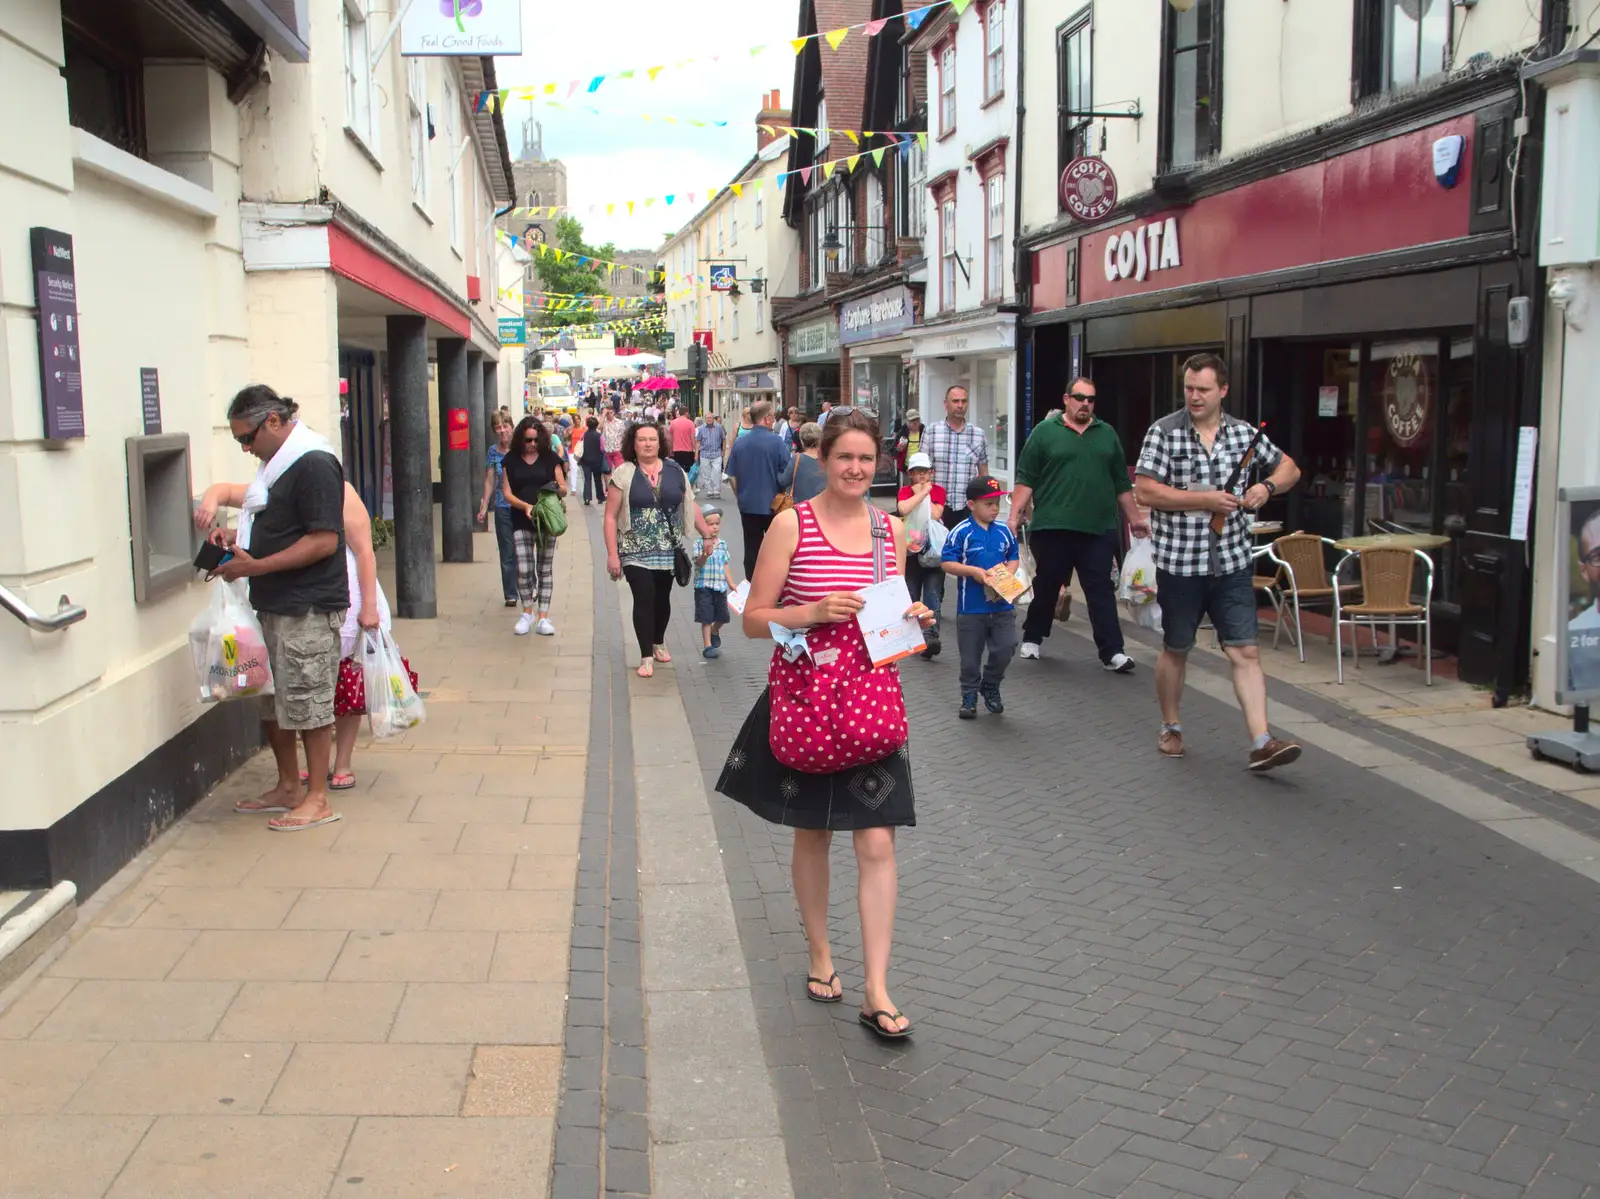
{"points": [[470, 27], [877, 315]]}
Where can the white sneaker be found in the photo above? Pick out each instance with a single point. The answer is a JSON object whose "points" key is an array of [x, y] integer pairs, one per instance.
{"points": [[1030, 649], [545, 629], [1119, 664], [524, 623]]}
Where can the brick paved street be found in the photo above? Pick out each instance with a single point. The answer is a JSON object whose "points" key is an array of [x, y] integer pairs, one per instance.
{"points": [[1135, 977]]}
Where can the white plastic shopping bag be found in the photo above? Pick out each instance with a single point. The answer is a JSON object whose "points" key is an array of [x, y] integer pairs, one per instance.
{"points": [[917, 522], [393, 705], [228, 647], [1137, 586], [1148, 616], [933, 555]]}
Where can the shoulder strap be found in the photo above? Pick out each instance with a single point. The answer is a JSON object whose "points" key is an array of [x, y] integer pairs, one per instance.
{"points": [[882, 530]]}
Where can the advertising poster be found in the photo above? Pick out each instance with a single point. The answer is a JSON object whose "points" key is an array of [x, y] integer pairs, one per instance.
{"points": [[60, 371], [476, 27], [1578, 636]]}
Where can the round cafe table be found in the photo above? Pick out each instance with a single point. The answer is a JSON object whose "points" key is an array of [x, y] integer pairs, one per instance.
{"points": [[1393, 541]]}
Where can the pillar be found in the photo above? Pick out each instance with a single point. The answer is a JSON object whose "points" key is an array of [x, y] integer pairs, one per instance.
{"points": [[455, 466], [476, 427], [415, 597]]}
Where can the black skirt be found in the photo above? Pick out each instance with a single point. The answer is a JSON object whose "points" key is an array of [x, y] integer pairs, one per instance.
{"points": [[877, 795]]}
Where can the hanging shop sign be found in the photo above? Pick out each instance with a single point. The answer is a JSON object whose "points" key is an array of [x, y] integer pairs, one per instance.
{"points": [[513, 331], [723, 276], [756, 381], [1136, 253], [707, 338], [1088, 189], [879, 315], [815, 342], [55, 291], [471, 27], [1407, 399]]}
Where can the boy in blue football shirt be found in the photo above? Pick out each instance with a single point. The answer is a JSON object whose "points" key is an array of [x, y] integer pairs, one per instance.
{"points": [[973, 550]]}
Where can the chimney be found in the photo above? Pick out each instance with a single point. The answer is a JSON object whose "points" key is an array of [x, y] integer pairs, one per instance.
{"points": [[772, 113]]}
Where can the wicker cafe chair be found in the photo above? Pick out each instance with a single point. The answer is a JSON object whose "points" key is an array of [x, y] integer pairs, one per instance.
{"points": [[1386, 578], [1303, 580]]}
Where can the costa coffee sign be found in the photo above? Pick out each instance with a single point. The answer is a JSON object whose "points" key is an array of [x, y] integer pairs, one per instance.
{"points": [[1135, 253], [1088, 189]]}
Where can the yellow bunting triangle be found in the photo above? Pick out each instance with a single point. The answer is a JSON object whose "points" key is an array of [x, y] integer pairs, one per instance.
{"points": [[799, 43], [827, 169], [549, 89], [850, 162], [738, 188], [835, 36], [960, 6], [653, 72], [877, 156], [851, 134]]}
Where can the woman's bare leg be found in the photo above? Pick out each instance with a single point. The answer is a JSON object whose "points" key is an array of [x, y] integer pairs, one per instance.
{"points": [[879, 891], [810, 869]]}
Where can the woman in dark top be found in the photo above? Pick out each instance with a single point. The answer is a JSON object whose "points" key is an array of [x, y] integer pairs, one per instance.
{"points": [[805, 473], [650, 513], [592, 458], [533, 466]]}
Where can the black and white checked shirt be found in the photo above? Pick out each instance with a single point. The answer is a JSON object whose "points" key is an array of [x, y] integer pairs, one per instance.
{"points": [[1173, 454], [958, 458]]}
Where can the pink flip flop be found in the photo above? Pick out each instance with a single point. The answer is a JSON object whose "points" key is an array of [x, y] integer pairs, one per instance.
{"points": [[295, 826], [348, 781]]}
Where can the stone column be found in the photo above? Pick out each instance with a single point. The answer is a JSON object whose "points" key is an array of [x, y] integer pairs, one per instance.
{"points": [[415, 597], [478, 423], [491, 394], [455, 466]]}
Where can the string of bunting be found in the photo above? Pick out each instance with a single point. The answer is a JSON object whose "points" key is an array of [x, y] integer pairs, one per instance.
{"points": [[543, 250], [636, 325], [487, 101], [902, 143]]}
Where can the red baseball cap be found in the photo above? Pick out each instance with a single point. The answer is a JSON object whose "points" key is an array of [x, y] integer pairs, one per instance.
{"points": [[985, 487]]}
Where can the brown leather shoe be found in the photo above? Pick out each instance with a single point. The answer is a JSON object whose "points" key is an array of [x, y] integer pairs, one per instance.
{"points": [[1170, 744], [1274, 753]]}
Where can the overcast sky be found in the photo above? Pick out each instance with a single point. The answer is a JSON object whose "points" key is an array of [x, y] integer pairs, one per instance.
{"points": [[618, 156]]}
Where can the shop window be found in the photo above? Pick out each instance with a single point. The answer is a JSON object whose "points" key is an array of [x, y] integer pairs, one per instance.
{"points": [[105, 93], [947, 256], [1192, 84], [994, 50], [877, 241], [988, 411], [1075, 83], [911, 177], [360, 98], [994, 219], [417, 120], [947, 88], [1399, 43]]}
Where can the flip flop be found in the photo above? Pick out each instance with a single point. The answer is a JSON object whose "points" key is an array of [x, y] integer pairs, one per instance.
{"points": [[244, 811], [295, 826], [870, 1019], [828, 982], [335, 785]]}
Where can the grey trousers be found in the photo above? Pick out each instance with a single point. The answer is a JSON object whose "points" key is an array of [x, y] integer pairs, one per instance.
{"points": [[996, 631]]}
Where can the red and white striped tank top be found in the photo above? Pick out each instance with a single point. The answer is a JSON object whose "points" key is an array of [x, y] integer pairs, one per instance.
{"points": [[818, 569]]}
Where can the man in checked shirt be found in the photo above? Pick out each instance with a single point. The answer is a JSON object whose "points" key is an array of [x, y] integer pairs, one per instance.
{"points": [[960, 454], [1182, 475]]}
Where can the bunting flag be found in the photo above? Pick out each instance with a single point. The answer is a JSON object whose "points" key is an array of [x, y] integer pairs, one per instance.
{"points": [[833, 37]]}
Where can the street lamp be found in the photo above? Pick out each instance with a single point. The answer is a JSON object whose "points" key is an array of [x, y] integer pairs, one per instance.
{"points": [[831, 245]]}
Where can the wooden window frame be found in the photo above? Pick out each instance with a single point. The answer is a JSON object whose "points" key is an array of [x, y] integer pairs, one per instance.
{"points": [[985, 7], [948, 42], [1169, 24], [1070, 129]]}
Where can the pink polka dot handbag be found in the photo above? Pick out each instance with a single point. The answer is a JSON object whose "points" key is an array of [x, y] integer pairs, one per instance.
{"points": [[833, 710]]}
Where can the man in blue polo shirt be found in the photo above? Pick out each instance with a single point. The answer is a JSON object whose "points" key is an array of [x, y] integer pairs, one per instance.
{"points": [[754, 464], [984, 620]]}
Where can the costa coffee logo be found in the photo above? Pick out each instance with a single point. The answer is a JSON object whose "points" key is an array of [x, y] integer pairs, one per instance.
{"points": [[1088, 189], [1406, 399]]}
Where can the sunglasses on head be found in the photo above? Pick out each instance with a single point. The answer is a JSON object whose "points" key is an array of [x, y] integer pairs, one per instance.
{"points": [[1081, 397]]}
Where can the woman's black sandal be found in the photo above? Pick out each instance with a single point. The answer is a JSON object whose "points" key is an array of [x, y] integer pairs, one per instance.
{"points": [[828, 982], [870, 1019]]}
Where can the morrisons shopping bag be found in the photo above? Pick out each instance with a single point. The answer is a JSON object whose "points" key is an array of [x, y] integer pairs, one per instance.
{"points": [[229, 650], [393, 705]]}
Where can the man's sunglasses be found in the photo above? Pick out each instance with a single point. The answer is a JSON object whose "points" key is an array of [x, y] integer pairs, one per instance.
{"points": [[1592, 558], [246, 440], [1081, 397]]}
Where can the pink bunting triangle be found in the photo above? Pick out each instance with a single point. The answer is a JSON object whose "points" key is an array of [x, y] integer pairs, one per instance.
{"points": [[874, 28]]}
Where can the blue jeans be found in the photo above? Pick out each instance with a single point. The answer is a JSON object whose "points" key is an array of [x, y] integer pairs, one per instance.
{"points": [[508, 553], [1230, 601], [926, 583]]}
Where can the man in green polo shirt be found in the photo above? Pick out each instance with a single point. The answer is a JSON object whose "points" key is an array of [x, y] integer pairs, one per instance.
{"points": [[1073, 475]]}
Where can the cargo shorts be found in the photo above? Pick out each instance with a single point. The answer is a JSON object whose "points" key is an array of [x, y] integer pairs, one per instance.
{"points": [[304, 653]]}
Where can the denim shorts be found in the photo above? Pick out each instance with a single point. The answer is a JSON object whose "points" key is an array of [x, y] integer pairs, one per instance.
{"points": [[710, 606], [1230, 601]]}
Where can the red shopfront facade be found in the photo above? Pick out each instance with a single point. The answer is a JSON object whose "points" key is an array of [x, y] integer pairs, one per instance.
{"points": [[1360, 301]]}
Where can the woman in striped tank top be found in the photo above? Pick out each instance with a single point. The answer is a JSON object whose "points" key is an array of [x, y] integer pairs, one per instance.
{"points": [[814, 561]]}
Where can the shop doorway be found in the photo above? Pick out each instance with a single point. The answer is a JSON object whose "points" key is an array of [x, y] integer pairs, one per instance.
{"points": [[361, 427], [1135, 390]]}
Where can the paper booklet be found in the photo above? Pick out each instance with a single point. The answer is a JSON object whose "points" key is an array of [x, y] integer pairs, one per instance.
{"points": [[739, 596], [889, 633]]}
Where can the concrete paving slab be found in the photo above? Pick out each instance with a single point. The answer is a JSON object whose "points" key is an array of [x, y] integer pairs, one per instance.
{"points": [[242, 1157], [382, 1080], [198, 1079]]}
